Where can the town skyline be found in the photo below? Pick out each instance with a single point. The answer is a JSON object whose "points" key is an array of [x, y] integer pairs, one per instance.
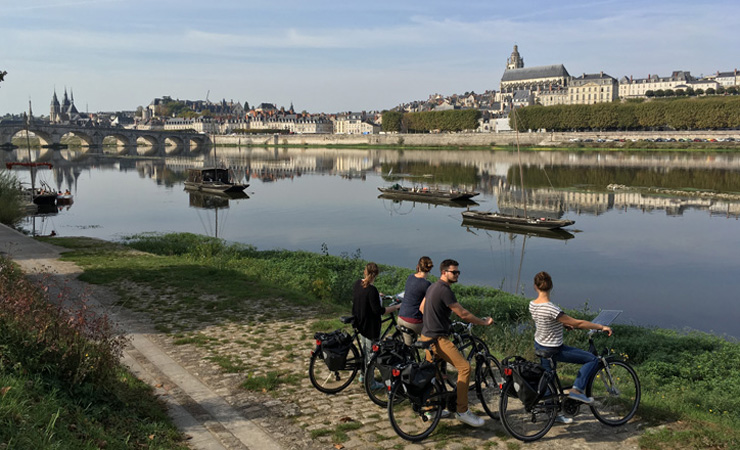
{"points": [[329, 58]]}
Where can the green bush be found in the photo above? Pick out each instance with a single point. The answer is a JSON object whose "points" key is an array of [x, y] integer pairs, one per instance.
{"points": [[38, 335], [11, 201]]}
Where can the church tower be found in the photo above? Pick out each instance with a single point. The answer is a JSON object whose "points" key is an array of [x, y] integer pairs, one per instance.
{"points": [[515, 61], [55, 109]]}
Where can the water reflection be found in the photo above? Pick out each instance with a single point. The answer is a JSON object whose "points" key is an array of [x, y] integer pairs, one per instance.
{"points": [[659, 248]]}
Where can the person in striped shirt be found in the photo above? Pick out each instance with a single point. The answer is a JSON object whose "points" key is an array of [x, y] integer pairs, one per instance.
{"points": [[549, 321]]}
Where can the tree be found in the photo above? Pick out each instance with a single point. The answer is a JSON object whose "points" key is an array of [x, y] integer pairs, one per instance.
{"points": [[649, 94], [710, 91], [699, 91], [732, 90], [391, 121]]}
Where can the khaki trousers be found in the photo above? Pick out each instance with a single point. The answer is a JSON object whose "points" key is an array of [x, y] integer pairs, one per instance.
{"points": [[445, 349]]}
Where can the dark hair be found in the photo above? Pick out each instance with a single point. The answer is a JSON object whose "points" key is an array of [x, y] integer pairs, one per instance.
{"points": [[446, 265], [543, 281], [372, 271], [425, 264]]}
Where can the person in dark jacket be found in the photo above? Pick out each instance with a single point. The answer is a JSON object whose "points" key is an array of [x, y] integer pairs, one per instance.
{"points": [[368, 308]]}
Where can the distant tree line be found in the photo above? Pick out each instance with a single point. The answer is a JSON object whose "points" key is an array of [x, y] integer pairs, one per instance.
{"points": [[706, 113], [423, 122], [691, 92]]}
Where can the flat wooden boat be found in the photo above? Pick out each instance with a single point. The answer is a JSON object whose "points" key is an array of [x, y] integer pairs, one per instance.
{"points": [[431, 201], [212, 180], [508, 221], [556, 233], [399, 192]]}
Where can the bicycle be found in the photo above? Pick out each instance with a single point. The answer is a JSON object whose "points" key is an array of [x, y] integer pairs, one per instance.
{"points": [[392, 352], [332, 380], [415, 411], [614, 387]]}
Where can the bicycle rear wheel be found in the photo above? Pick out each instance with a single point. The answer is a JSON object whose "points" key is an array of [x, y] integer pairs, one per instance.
{"points": [[616, 392], [527, 423], [488, 380], [414, 421], [375, 384], [333, 381]]}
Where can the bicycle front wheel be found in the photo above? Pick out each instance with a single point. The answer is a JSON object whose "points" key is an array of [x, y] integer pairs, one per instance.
{"points": [[616, 392], [333, 381], [412, 420], [375, 384], [528, 423], [488, 381]]}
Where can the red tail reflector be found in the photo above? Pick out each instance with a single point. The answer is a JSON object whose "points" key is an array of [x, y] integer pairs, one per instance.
{"points": [[376, 348], [318, 342], [508, 372], [395, 372]]}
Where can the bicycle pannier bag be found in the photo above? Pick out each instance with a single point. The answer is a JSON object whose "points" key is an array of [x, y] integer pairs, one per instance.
{"points": [[388, 357], [418, 378], [334, 348], [529, 379]]}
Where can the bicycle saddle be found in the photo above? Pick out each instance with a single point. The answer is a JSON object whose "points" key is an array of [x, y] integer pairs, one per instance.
{"points": [[544, 353], [348, 319], [424, 344], [406, 330]]}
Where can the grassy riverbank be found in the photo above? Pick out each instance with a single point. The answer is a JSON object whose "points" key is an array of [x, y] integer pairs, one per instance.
{"points": [[61, 383], [691, 382]]}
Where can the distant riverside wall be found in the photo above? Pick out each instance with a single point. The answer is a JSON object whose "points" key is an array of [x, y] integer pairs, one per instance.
{"points": [[543, 139]]}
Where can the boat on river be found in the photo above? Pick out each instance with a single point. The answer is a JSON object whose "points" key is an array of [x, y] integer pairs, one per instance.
{"points": [[43, 195], [509, 221], [397, 191], [555, 233], [212, 180]]}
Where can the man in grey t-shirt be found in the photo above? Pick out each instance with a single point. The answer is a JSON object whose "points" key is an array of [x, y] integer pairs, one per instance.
{"points": [[439, 302]]}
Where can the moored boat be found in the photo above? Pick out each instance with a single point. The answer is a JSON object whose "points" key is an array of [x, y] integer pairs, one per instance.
{"points": [[399, 192], [556, 233], [212, 180], [515, 222]]}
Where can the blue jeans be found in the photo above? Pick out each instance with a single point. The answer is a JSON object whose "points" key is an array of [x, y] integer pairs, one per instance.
{"points": [[576, 356]]}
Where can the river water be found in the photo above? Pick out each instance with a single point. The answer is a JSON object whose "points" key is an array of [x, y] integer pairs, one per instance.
{"points": [[644, 241]]}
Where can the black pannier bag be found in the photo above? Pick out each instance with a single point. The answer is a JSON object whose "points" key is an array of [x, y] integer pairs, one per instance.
{"points": [[529, 378], [334, 348], [418, 379], [389, 356]]}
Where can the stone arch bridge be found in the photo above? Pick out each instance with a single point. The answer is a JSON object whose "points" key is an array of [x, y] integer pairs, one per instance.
{"points": [[130, 141]]}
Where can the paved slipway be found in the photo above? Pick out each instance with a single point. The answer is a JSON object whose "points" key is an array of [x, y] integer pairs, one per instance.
{"points": [[214, 412]]}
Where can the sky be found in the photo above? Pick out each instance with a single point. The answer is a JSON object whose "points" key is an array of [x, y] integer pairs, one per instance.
{"points": [[331, 56]]}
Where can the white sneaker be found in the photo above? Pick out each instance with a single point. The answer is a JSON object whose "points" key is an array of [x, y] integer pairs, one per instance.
{"points": [[470, 419], [562, 419]]}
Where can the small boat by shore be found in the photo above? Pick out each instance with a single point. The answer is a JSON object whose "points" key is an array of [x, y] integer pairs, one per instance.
{"points": [[507, 221], [431, 201], [65, 198], [212, 180], [556, 233], [397, 191]]}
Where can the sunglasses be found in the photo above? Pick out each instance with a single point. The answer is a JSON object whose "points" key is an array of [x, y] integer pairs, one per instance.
{"points": [[454, 272]]}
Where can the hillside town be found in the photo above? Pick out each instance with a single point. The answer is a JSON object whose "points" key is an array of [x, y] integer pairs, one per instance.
{"points": [[520, 86]]}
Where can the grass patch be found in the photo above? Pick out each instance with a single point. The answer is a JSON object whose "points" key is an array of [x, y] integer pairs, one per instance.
{"points": [[687, 378], [271, 381]]}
